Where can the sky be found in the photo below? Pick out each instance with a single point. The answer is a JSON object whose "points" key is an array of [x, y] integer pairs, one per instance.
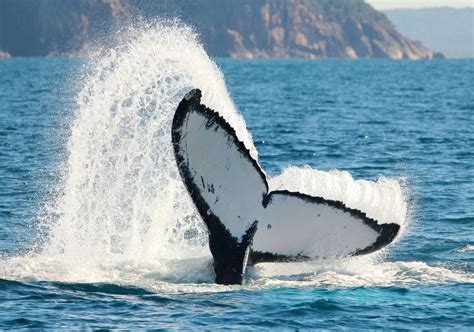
{"points": [[391, 4]]}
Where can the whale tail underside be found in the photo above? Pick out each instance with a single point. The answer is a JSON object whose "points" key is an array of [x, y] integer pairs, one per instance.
{"points": [[249, 224]]}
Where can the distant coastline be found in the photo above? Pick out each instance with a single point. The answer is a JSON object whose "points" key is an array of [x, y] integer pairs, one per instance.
{"points": [[245, 29]]}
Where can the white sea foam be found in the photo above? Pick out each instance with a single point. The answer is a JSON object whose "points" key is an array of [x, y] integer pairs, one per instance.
{"points": [[466, 248], [195, 275], [122, 214]]}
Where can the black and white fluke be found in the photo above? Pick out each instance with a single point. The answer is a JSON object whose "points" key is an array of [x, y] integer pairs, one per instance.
{"points": [[249, 224]]}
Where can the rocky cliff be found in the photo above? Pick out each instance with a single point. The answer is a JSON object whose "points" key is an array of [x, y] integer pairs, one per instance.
{"points": [[236, 28]]}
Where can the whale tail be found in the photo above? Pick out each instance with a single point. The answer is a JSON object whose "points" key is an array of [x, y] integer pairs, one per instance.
{"points": [[246, 221], [214, 167]]}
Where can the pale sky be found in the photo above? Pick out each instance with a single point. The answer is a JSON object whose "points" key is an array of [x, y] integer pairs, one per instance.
{"points": [[391, 4]]}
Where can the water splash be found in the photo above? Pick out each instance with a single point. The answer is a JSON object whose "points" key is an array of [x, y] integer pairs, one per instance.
{"points": [[383, 200], [194, 275], [122, 192]]}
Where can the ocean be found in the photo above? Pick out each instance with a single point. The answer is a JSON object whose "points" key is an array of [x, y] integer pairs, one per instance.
{"points": [[97, 230]]}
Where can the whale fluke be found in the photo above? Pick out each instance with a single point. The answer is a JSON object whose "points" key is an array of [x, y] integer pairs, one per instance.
{"points": [[247, 223]]}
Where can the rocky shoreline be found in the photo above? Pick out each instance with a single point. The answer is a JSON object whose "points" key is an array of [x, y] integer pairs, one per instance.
{"points": [[240, 29]]}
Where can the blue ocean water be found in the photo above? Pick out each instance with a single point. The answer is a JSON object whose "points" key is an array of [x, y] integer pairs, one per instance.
{"points": [[400, 119]]}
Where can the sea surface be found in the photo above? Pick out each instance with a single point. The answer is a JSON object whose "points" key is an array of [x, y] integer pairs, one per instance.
{"points": [[89, 240]]}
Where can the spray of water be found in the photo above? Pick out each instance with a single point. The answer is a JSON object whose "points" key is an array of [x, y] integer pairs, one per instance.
{"points": [[123, 214], [122, 191], [384, 200]]}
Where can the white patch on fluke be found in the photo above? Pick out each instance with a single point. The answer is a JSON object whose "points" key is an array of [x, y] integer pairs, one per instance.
{"points": [[224, 176], [298, 227]]}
